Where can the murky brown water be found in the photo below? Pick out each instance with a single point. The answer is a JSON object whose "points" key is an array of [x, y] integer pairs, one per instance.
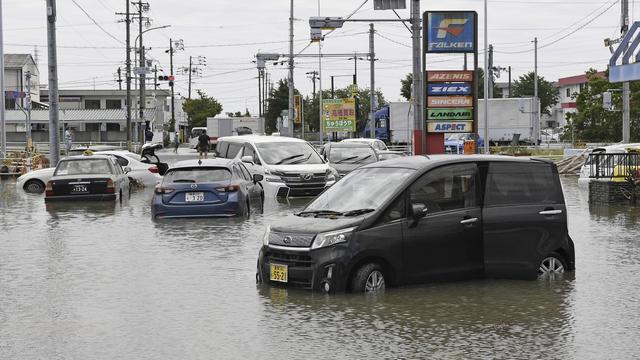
{"points": [[105, 282]]}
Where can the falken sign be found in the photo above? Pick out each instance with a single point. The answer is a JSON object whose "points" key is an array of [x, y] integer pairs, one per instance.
{"points": [[450, 31], [449, 114], [449, 89]]}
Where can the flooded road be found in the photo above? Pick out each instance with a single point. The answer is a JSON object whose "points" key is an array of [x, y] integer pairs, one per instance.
{"points": [[102, 282]]}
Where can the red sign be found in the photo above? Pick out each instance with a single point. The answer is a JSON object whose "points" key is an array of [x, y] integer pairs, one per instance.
{"points": [[449, 101], [449, 76]]}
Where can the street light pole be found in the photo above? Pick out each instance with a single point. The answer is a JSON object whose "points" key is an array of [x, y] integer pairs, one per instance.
{"points": [[3, 130], [54, 139], [290, 117], [372, 130], [486, 81], [418, 122]]}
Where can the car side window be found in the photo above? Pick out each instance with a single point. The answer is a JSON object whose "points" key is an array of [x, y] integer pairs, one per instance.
{"points": [[116, 168], [122, 161], [521, 183], [221, 149], [233, 150], [249, 151], [450, 187], [245, 172], [397, 210]]}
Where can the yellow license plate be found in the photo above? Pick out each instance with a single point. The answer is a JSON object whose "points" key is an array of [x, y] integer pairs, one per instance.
{"points": [[279, 273]]}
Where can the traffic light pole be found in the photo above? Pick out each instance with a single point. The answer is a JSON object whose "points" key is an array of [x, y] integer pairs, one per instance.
{"points": [[173, 97], [190, 63], [142, 72], [128, 73]]}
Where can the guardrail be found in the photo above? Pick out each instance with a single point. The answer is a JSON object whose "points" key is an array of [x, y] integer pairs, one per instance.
{"points": [[614, 166]]}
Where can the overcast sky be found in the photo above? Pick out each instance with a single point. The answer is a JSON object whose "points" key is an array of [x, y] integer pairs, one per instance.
{"points": [[230, 33]]}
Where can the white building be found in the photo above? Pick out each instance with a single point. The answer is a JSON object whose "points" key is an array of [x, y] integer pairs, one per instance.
{"points": [[16, 69]]}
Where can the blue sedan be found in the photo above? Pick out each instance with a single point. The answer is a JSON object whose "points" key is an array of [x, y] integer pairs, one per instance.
{"points": [[207, 188]]}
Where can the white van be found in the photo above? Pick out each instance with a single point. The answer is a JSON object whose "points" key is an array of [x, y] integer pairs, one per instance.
{"points": [[291, 167]]}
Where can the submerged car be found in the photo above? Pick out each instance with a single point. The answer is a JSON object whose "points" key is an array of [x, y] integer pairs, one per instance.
{"points": [[348, 156], [420, 219], [207, 188], [93, 177]]}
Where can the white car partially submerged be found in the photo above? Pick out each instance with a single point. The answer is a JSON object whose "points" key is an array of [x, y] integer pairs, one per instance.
{"points": [[141, 170], [611, 157]]}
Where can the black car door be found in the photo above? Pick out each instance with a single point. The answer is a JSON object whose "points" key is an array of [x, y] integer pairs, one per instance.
{"points": [[524, 218], [447, 242]]}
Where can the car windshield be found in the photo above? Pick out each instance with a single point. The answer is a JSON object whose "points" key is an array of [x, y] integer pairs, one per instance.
{"points": [[352, 155], [288, 153], [82, 167], [196, 175], [360, 190]]}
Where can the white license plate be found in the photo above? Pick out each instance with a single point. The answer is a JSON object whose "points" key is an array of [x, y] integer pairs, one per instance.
{"points": [[194, 197], [79, 188]]}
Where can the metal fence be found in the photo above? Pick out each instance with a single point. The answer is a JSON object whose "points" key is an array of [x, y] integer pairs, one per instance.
{"points": [[614, 166]]}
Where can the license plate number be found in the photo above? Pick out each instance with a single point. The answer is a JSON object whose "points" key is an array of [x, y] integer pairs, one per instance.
{"points": [[279, 273], [194, 197], [79, 188]]}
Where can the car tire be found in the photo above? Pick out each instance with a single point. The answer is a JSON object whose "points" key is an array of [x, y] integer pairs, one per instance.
{"points": [[34, 187], [551, 266], [369, 278]]}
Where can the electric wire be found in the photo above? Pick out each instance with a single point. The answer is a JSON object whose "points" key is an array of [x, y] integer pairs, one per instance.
{"points": [[98, 25]]}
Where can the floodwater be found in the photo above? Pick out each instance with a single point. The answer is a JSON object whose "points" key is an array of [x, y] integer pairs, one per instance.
{"points": [[105, 282]]}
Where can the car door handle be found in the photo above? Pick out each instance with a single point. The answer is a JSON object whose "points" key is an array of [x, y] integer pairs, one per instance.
{"points": [[468, 221], [550, 212]]}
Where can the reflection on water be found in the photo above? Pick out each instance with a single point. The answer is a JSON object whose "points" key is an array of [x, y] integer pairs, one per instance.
{"points": [[105, 279]]}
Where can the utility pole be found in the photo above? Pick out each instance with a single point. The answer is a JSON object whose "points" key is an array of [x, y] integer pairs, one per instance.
{"points": [[3, 130], [491, 72], [119, 78], [486, 82], [291, 86], [418, 99], [190, 65], [127, 20], [320, 104], [626, 105], [54, 106], [259, 93], [28, 107], [333, 96], [313, 77], [509, 81], [536, 127], [155, 77], [372, 59], [173, 97], [143, 72]]}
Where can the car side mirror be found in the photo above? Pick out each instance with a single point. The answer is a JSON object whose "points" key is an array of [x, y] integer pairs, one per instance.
{"points": [[418, 211], [127, 170], [257, 178], [247, 159]]}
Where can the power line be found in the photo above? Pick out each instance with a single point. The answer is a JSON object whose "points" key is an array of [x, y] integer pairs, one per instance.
{"points": [[95, 22]]}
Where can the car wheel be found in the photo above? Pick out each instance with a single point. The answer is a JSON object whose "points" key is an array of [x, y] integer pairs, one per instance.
{"points": [[369, 279], [551, 265], [34, 187]]}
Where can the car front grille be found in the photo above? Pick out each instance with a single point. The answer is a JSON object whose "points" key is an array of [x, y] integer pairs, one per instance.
{"points": [[292, 240], [300, 267]]}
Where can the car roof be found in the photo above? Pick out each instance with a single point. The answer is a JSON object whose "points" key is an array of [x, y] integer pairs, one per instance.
{"points": [[349, 145], [616, 147], [88, 157], [217, 162], [360, 140], [259, 139], [428, 161]]}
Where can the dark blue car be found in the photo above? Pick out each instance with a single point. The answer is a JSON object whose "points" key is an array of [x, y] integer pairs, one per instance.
{"points": [[207, 188]]}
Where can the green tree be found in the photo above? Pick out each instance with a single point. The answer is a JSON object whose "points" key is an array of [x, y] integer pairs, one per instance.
{"points": [[200, 108], [591, 122], [547, 92], [405, 86], [497, 92], [278, 101]]}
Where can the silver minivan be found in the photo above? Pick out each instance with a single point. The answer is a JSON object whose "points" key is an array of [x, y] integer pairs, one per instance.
{"points": [[291, 167]]}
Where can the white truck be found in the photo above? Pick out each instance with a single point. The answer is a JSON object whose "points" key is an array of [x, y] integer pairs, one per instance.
{"points": [[510, 116], [401, 122], [219, 127]]}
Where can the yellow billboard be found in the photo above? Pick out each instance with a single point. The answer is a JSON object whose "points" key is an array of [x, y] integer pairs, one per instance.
{"points": [[297, 109], [339, 114]]}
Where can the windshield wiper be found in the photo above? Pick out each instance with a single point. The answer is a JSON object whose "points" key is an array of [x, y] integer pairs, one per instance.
{"points": [[361, 159], [319, 212], [288, 158], [345, 159], [357, 212], [301, 160]]}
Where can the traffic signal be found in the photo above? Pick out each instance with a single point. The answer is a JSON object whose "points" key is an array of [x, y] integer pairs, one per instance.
{"points": [[169, 78]]}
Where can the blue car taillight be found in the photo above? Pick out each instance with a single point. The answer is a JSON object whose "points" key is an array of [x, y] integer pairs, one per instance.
{"points": [[163, 190], [228, 188]]}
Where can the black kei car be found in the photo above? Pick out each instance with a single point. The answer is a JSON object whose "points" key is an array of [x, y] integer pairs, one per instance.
{"points": [[87, 177], [424, 218]]}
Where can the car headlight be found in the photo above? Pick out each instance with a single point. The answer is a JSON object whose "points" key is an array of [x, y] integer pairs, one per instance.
{"points": [[331, 175], [265, 237], [332, 238]]}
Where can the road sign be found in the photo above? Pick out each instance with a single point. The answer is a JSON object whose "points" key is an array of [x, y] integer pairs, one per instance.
{"points": [[449, 101], [450, 126], [389, 4], [450, 114], [449, 89], [297, 109], [450, 31], [339, 114], [628, 46]]}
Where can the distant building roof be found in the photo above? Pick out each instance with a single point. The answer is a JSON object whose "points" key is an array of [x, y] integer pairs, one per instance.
{"points": [[17, 61], [78, 115], [578, 79], [105, 92]]}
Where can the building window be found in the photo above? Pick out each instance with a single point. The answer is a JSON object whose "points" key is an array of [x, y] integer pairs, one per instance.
{"points": [[114, 104], [9, 103], [92, 104], [568, 92], [113, 127]]}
